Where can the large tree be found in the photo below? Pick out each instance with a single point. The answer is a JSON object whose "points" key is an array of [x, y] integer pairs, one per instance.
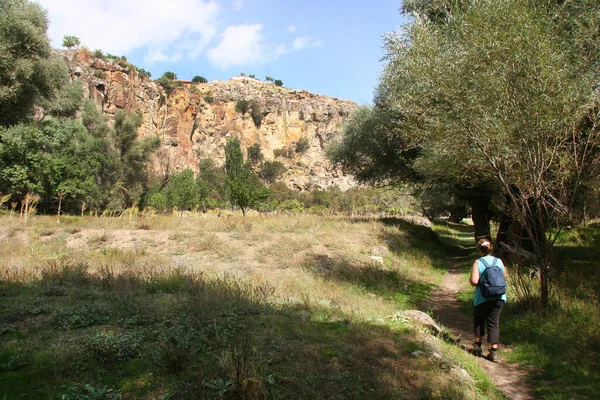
{"points": [[499, 96], [243, 187]]}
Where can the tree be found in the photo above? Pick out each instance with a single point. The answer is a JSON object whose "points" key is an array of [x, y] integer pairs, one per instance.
{"points": [[278, 82], [27, 73], [242, 185], [199, 79], [209, 181], [70, 41], [500, 98], [181, 190], [270, 171]]}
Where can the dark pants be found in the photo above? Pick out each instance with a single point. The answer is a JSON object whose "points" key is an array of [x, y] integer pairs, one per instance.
{"points": [[490, 311]]}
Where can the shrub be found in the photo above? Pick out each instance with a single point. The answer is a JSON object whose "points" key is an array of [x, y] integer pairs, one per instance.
{"points": [[199, 79], [168, 82], [209, 99], [270, 171], [256, 113], [302, 145], [278, 83], [99, 74], [301, 115], [89, 392], [81, 317], [169, 75], [98, 54], [292, 206], [255, 155], [111, 346], [242, 106]]}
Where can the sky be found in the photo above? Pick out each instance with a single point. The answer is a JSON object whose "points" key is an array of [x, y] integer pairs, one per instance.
{"points": [[329, 47]]}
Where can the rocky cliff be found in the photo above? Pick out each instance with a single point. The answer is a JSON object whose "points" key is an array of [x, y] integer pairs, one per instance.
{"points": [[194, 121]]}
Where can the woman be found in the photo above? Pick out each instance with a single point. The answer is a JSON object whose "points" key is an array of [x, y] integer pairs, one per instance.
{"points": [[486, 308]]}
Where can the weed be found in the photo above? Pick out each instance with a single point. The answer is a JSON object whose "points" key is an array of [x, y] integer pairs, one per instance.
{"points": [[81, 316], [177, 342], [90, 392], [112, 346], [65, 271]]}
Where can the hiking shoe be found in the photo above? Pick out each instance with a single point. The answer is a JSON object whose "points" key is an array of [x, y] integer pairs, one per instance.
{"points": [[477, 351], [492, 356]]}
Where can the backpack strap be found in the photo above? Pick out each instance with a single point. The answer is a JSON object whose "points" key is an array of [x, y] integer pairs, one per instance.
{"points": [[486, 265]]}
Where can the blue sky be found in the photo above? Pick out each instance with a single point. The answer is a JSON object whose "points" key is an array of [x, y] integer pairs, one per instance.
{"points": [[330, 47]]}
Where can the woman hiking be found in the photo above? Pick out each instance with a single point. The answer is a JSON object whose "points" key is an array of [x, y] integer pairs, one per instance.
{"points": [[489, 277]]}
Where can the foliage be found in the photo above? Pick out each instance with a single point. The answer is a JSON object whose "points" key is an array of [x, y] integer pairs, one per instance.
{"points": [[302, 145], [70, 41], [181, 190], [210, 182], [497, 100], [242, 106], [270, 171], [278, 82], [169, 82], [242, 185], [199, 79], [255, 154], [27, 73]]}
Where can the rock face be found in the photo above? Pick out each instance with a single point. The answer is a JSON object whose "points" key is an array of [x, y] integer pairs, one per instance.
{"points": [[194, 121]]}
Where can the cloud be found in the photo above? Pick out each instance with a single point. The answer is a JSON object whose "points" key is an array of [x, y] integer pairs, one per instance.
{"points": [[238, 5], [303, 42], [291, 28], [240, 45], [184, 26]]}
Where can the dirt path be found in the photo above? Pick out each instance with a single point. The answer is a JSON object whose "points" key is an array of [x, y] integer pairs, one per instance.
{"points": [[509, 378]]}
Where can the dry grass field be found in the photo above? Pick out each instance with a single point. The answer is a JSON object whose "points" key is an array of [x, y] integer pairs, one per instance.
{"points": [[202, 306]]}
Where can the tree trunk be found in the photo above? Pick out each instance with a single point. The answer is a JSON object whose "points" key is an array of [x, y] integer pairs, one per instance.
{"points": [[481, 217]]}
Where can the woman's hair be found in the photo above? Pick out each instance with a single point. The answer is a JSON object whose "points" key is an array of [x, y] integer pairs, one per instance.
{"points": [[485, 246]]}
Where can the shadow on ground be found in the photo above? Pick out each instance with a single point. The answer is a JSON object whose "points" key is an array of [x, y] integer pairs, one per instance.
{"points": [[180, 336]]}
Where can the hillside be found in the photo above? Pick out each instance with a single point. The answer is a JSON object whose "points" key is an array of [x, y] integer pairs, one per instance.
{"points": [[194, 121]]}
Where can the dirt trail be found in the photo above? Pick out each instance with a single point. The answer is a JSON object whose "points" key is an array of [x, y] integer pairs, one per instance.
{"points": [[509, 378]]}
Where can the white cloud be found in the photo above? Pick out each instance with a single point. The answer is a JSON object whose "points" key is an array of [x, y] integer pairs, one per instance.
{"points": [[238, 5], [242, 45], [291, 28], [303, 42], [118, 27]]}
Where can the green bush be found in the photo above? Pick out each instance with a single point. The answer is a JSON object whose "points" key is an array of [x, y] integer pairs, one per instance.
{"points": [[302, 145], [292, 206], [256, 113], [242, 106], [111, 346], [278, 83], [81, 317], [270, 171], [98, 73], [199, 79], [209, 99], [98, 54], [255, 154], [90, 392]]}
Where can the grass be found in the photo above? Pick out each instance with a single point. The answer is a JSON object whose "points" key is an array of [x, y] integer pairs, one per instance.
{"points": [[262, 307]]}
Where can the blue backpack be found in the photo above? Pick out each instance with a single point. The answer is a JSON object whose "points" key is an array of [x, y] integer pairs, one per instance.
{"points": [[492, 281]]}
